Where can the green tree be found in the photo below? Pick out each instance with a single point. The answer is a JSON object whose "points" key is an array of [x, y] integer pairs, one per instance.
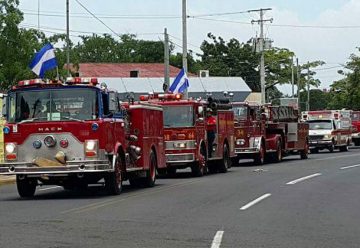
{"points": [[345, 93]]}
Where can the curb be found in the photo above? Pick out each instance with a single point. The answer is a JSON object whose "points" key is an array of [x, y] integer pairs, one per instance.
{"points": [[7, 180]]}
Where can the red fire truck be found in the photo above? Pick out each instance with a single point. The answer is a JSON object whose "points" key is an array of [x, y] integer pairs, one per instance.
{"points": [[73, 134], [190, 139], [355, 121], [268, 131], [329, 129]]}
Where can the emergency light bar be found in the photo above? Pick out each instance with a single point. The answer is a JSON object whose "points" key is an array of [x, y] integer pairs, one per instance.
{"points": [[80, 80], [161, 97], [31, 82]]}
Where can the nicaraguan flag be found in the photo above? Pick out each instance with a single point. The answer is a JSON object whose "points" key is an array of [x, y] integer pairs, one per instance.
{"points": [[44, 60], [180, 83]]}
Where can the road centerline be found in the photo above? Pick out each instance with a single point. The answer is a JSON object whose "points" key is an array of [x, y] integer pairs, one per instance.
{"points": [[252, 203], [303, 179], [216, 243], [349, 167]]}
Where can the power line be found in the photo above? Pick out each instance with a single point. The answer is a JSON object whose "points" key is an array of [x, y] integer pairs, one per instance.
{"points": [[219, 14], [97, 18], [282, 25], [104, 16], [81, 32]]}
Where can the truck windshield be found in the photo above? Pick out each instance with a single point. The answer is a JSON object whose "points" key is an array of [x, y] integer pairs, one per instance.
{"points": [[320, 125], [52, 105], [240, 112], [178, 116]]}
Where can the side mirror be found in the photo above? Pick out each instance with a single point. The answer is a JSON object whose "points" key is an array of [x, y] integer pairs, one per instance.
{"points": [[200, 120], [113, 102], [200, 110]]}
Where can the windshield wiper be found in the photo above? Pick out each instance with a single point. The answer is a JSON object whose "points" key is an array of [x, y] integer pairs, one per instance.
{"points": [[32, 119], [72, 118]]}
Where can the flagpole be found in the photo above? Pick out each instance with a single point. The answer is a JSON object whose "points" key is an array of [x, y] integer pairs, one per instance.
{"points": [[185, 52], [67, 39]]}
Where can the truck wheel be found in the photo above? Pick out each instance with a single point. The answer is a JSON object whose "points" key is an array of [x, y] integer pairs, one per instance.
{"points": [[26, 186], [225, 162], [278, 154], [344, 148], [304, 154], [331, 148], [149, 180], [260, 157], [356, 142], [198, 169], [113, 181]]}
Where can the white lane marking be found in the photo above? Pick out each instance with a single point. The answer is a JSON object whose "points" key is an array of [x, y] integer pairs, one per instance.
{"points": [[250, 204], [217, 239], [303, 178], [50, 188], [348, 167], [334, 157]]}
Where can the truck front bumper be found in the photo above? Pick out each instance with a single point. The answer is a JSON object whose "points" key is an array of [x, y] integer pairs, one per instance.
{"points": [[320, 143], [86, 166], [247, 150], [180, 158]]}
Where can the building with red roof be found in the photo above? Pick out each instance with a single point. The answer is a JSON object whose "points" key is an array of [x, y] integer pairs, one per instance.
{"points": [[124, 70]]}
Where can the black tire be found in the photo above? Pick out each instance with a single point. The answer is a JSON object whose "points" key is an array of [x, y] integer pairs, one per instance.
{"points": [[199, 168], [149, 180], [278, 154], [304, 154], [113, 181], [26, 186], [259, 158], [226, 161], [331, 148], [356, 142], [344, 148]]}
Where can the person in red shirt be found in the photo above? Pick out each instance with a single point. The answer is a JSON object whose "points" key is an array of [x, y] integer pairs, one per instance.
{"points": [[211, 130]]}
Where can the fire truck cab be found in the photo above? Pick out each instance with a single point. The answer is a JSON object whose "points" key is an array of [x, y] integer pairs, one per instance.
{"points": [[329, 129], [190, 139], [268, 132], [75, 133]]}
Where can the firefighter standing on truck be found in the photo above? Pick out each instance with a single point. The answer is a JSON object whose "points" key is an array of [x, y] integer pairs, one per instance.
{"points": [[211, 130]]}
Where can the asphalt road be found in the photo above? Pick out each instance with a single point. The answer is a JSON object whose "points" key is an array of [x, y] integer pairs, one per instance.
{"points": [[296, 203]]}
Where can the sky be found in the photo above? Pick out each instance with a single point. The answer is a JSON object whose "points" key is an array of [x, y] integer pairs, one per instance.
{"points": [[326, 30]]}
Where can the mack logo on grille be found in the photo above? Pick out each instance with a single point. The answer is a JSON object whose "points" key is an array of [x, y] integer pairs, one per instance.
{"points": [[49, 129]]}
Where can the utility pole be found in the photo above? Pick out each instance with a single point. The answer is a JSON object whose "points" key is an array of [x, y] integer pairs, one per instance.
{"points": [[262, 58], [298, 82], [292, 77], [166, 61], [308, 87], [67, 38], [185, 52]]}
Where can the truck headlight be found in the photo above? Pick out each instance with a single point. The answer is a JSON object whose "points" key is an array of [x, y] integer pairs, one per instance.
{"points": [[180, 145], [10, 151], [91, 148], [327, 136], [240, 142]]}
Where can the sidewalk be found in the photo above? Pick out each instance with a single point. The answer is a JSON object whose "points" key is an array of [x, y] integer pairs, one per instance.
{"points": [[7, 179]]}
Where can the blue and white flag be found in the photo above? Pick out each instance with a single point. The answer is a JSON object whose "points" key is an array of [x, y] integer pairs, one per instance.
{"points": [[180, 84], [44, 60]]}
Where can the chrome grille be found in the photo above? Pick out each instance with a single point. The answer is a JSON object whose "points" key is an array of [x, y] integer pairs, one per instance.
{"points": [[183, 157], [316, 137]]}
